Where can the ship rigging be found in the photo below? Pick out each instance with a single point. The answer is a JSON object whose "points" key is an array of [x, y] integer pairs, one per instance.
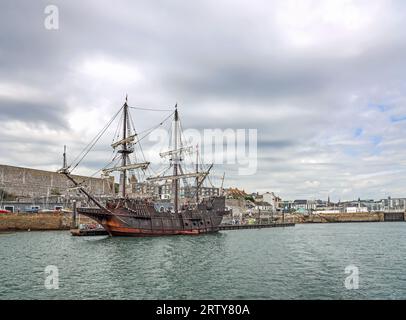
{"points": [[122, 215]]}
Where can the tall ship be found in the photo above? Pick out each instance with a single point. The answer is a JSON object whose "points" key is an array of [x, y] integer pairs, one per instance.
{"points": [[147, 215]]}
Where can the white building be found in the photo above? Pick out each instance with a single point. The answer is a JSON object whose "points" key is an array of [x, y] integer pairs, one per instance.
{"points": [[272, 199], [356, 209], [327, 211], [263, 206]]}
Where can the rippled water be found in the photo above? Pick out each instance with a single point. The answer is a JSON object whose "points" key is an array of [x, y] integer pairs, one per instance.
{"points": [[303, 262]]}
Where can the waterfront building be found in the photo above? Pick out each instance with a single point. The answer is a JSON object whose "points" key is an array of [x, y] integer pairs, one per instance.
{"points": [[304, 205], [263, 206], [235, 193], [320, 204], [327, 211], [393, 203], [204, 192], [272, 199], [34, 205], [286, 206], [372, 205], [256, 196], [143, 188], [300, 204], [356, 209], [164, 191]]}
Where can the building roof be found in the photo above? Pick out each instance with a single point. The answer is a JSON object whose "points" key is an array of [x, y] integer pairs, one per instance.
{"points": [[263, 203], [235, 192]]}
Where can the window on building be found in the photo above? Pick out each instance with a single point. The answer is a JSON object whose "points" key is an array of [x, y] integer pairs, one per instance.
{"points": [[9, 208]]}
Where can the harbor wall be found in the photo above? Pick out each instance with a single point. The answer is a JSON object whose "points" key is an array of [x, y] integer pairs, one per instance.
{"points": [[38, 221], [334, 218], [29, 183], [346, 217]]}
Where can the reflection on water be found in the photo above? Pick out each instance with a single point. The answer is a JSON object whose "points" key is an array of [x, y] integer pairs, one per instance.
{"points": [[306, 261]]}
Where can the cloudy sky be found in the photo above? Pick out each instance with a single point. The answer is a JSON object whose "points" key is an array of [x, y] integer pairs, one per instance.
{"points": [[323, 82]]}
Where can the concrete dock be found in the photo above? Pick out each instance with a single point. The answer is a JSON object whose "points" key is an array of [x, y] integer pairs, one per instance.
{"points": [[254, 226]]}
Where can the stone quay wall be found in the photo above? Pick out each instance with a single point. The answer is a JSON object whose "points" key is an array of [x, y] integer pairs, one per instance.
{"points": [[38, 221], [333, 218], [31, 183]]}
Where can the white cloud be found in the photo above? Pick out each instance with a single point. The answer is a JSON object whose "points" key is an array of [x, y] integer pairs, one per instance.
{"points": [[109, 71], [20, 91]]}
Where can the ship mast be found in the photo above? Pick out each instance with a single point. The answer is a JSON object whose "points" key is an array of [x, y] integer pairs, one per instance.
{"points": [[175, 159], [126, 142], [124, 148], [197, 171], [125, 151]]}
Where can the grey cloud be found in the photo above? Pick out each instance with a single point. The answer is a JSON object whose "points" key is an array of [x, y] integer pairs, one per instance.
{"points": [[32, 113], [228, 65]]}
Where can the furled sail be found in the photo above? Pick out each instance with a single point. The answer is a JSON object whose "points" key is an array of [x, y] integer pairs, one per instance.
{"points": [[142, 165], [177, 151], [124, 141], [179, 176]]}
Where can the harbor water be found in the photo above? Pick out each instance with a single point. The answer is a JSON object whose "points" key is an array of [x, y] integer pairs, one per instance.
{"points": [[301, 262]]}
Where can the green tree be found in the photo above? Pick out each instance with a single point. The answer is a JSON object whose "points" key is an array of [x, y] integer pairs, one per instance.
{"points": [[250, 198]]}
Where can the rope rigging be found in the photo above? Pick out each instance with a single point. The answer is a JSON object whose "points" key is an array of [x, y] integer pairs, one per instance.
{"points": [[92, 143], [135, 143], [149, 109], [79, 158]]}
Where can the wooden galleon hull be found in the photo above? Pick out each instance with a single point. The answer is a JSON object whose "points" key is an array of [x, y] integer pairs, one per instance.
{"points": [[124, 222]]}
